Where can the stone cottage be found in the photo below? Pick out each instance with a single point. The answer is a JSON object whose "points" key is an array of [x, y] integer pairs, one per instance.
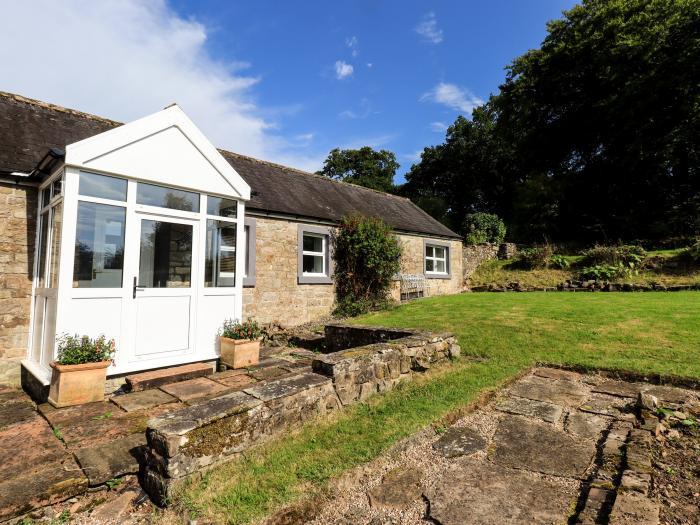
{"points": [[147, 233]]}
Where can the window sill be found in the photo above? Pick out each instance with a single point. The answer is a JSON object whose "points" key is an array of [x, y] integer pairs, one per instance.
{"points": [[437, 275], [314, 279]]}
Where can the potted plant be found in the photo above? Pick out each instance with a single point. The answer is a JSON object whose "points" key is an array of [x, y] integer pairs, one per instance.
{"points": [[240, 343], [80, 372]]}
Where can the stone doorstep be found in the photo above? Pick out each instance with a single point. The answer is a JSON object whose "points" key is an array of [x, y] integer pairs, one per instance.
{"points": [[157, 378]]}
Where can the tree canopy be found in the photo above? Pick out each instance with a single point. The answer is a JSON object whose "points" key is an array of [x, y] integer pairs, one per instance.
{"points": [[364, 167], [594, 136]]}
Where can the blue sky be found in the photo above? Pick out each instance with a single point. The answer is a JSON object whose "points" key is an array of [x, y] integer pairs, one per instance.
{"points": [[285, 81], [399, 52]]}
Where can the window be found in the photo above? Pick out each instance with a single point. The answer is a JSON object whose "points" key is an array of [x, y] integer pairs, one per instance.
{"points": [[172, 198], [437, 260], [220, 269], [314, 254], [101, 186], [221, 207], [314, 259], [99, 246]]}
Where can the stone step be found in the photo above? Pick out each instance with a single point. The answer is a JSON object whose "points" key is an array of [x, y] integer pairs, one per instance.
{"points": [[164, 376]]}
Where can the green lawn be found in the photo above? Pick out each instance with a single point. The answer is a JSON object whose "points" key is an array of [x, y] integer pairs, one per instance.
{"points": [[642, 332]]}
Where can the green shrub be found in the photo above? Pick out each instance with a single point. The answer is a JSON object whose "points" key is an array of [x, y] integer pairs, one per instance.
{"points": [[535, 257], [560, 262], [626, 255], [694, 251], [241, 330], [367, 255], [77, 349], [479, 228]]}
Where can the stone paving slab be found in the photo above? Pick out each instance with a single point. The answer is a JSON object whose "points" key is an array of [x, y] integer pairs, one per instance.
{"points": [[606, 405], [194, 388], [286, 386], [237, 382], [618, 388], [564, 393], [271, 372], [524, 444], [480, 493], [556, 373], [459, 441], [585, 425], [61, 417], [113, 459], [529, 407], [399, 488], [143, 400], [16, 408], [28, 445], [46, 484]]}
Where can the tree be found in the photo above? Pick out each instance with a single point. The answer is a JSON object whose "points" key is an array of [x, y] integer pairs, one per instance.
{"points": [[364, 167], [593, 136]]}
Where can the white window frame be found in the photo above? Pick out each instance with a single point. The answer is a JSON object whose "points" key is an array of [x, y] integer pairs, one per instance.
{"points": [[322, 254], [219, 247], [435, 259]]}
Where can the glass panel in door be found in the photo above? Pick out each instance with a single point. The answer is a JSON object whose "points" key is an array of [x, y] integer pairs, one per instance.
{"points": [[165, 293]]}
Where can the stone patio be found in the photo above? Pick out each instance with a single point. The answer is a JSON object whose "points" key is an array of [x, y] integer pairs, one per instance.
{"points": [[556, 447], [49, 455]]}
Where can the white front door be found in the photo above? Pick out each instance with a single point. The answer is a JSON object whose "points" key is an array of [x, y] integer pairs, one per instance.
{"points": [[165, 289]]}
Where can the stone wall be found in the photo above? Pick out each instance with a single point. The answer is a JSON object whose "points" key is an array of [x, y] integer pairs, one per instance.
{"points": [[278, 298], [473, 255], [17, 227], [413, 263], [216, 430]]}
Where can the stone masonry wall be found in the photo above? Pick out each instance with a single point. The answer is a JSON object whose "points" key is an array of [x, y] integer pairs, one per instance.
{"points": [[473, 255], [278, 298], [17, 227], [413, 263], [193, 439]]}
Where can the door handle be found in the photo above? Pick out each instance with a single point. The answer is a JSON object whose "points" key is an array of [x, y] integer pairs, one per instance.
{"points": [[136, 288]]}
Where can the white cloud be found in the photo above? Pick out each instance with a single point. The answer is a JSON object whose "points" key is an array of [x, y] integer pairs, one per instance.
{"points": [[369, 65], [343, 70], [438, 127], [352, 43], [412, 157], [429, 29], [124, 59], [452, 96], [364, 110]]}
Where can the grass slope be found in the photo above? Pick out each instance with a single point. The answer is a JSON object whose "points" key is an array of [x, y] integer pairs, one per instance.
{"points": [[651, 332]]}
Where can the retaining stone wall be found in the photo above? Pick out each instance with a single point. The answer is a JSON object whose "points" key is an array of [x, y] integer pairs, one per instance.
{"points": [[200, 436]]}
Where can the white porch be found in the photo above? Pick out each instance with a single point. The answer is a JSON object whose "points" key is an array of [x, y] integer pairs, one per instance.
{"points": [[140, 237]]}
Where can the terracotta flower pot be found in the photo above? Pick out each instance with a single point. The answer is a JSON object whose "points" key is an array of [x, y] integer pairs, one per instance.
{"points": [[77, 384], [239, 353]]}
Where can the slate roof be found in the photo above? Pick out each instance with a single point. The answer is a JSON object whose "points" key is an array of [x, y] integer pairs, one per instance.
{"points": [[29, 128]]}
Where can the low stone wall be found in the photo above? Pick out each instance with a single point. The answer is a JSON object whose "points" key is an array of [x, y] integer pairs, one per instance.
{"points": [[340, 336], [216, 430], [359, 373], [213, 431]]}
